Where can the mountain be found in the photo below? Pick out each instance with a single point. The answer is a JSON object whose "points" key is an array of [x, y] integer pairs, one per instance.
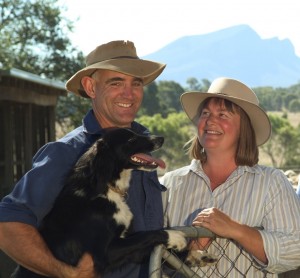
{"points": [[236, 52]]}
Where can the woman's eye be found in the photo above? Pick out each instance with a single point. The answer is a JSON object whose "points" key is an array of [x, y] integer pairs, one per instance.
{"points": [[204, 113], [224, 115]]}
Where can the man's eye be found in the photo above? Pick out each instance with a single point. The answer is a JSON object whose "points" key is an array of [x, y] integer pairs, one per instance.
{"points": [[137, 84], [117, 84]]}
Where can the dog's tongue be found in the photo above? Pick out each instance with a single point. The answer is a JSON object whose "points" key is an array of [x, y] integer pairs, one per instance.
{"points": [[150, 160], [159, 162]]}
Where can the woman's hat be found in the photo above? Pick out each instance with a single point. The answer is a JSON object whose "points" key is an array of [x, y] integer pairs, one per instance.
{"points": [[236, 92], [117, 56]]}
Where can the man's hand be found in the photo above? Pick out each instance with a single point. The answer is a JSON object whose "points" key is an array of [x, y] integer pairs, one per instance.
{"points": [[84, 269]]}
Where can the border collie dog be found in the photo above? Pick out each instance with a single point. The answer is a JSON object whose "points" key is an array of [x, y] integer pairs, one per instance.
{"points": [[91, 215]]}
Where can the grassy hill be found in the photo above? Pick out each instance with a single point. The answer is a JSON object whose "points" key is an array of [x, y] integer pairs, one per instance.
{"points": [[294, 118]]}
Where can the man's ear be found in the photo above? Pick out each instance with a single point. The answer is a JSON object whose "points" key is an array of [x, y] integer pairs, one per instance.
{"points": [[88, 85]]}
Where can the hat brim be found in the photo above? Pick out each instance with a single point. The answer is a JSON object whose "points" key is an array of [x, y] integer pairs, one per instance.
{"points": [[144, 69], [191, 101]]}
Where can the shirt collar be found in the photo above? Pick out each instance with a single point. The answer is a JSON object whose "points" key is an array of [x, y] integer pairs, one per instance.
{"points": [[196, 167], [91, 125]]}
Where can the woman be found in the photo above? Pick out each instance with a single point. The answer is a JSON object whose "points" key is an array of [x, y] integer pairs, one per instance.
{"points": [[227, 192]]}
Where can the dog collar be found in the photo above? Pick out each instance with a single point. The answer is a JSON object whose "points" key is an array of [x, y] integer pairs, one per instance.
{"points": [[122, 193]]}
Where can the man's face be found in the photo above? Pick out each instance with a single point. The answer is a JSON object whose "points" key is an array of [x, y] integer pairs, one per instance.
{"points": [[117, 98]]}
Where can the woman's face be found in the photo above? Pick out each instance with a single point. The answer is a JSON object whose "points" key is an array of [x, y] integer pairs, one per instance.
{"points": [[218, 128]]}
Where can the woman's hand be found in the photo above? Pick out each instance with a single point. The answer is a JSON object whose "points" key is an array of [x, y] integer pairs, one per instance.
{"points": [[216, 221], [222, 225]]}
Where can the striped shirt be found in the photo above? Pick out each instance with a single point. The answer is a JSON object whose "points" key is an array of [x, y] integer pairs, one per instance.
{"points": [[257, 196]]}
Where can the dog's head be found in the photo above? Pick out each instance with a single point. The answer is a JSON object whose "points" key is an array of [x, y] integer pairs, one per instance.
{"points": [[115, 154], [131, 150]]}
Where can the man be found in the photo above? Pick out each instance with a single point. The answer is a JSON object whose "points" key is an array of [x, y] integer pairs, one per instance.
{"points": [[113, 79]]}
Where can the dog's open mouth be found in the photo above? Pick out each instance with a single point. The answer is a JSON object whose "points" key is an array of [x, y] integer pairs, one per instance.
{"points": [[147, 161]]}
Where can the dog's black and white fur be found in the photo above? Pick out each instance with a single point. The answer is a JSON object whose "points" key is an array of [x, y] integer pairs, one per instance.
{"points": [[91, 215]]}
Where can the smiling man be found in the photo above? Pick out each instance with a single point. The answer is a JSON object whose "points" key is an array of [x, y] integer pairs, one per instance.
{"points": [[116, 97], [113, 79]]}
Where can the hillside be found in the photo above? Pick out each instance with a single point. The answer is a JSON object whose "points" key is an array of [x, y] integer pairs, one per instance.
{"points": [[236, 52]]}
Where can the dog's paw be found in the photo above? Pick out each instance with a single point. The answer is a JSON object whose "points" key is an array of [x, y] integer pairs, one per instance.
{"points": [[176, 240], [200, 258]]}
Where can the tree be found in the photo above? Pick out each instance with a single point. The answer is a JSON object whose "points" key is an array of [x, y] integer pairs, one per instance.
{"points": [[38, 42], [284, 146], [70, 111], [177, 130], [294, 105], [169, 97], [288, 98], [195, 85], [278, 99], [150, 105]]}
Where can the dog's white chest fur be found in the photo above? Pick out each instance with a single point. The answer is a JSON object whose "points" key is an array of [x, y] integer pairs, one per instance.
{"points": [[123, 215]]}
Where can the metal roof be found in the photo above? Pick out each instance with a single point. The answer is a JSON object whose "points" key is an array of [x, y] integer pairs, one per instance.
{"points": [[33, 78]]}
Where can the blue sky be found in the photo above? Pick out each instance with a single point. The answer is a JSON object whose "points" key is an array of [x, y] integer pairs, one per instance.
{"points": [[153, 24]]}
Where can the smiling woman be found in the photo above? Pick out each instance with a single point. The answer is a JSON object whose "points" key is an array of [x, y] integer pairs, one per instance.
{"points": [[225, 190]]}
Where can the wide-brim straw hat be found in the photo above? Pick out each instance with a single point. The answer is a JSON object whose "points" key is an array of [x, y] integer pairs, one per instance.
{"points": [[236, 92], [119, 56]]}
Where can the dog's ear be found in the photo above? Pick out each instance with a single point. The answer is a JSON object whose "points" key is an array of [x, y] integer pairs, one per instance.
{"points": [[102, 164], [84, 164]]}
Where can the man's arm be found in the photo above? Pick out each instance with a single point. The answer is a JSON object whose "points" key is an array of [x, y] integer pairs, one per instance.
{"points": [[24, 244]]}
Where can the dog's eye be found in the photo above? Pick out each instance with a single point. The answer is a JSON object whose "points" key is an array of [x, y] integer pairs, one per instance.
{"points": [[132, 139]]}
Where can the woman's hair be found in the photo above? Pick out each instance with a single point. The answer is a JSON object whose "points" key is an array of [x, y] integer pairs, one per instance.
{"points": [[247, 150]]}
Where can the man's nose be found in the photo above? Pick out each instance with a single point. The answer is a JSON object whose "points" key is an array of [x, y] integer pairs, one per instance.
{"points": [[127, 89]]}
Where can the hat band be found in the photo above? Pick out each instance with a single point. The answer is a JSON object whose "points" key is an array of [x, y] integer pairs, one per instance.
{"points": [[124, 57]]}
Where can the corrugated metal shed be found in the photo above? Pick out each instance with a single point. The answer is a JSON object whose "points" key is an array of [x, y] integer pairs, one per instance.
{"points": [[27, 121]]}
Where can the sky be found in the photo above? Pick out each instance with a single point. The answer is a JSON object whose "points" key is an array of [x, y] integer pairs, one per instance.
{"points": [[153, 24]]}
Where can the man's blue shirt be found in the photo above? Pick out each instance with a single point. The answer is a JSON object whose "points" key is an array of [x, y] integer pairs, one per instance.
{"points": [[33, 196]]}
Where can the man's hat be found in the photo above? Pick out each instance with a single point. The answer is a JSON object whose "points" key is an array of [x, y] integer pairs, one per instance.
{"points": [[117, 56], [236, 92]]}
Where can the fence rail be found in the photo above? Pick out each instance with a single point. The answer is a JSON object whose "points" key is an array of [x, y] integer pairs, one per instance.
{"points": [[229, 259]]}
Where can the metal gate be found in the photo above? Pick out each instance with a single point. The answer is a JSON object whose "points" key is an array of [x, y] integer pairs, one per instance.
{"points": [[221, 258]]}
